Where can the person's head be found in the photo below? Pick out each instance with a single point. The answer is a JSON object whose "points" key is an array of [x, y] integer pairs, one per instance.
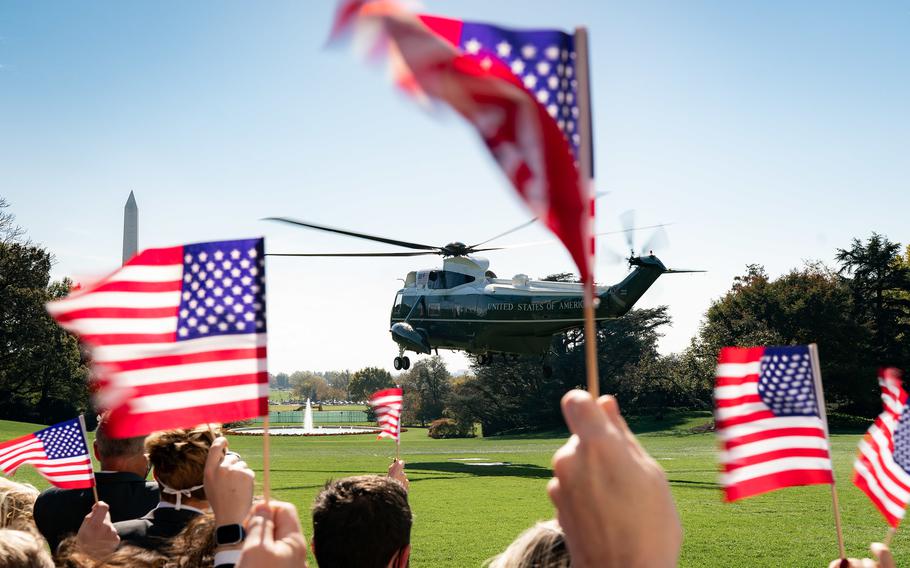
{"points": [[16, 503], [119, 454], [127, 556], [178, 461], [23, 549], [541, 546], [362, 521]]}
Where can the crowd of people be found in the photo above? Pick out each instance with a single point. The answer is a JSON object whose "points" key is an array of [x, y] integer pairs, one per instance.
{"points": [[613, 508]]}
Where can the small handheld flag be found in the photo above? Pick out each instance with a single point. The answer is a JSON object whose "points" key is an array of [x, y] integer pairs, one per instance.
{"points": [[769, 420], [58, 452], [882, 466], [177, 336], [387, 404]]}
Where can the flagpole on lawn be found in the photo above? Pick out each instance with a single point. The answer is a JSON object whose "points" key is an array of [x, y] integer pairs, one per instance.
{"points": [[817, 375], [85, 438], [586, 179]]}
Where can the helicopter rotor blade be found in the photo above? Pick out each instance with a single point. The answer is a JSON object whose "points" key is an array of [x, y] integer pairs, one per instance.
{"points": [[404, 244], [509, 232], [604, 233], [611, 256], [597, 195], [657, 240], [627, 219], [349, 254]]}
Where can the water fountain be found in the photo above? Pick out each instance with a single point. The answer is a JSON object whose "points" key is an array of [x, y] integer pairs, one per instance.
{"points": [[308, 429]]}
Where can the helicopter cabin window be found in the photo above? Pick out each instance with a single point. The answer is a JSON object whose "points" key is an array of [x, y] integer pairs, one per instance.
{"points": [[433, 308], [444, 279]]}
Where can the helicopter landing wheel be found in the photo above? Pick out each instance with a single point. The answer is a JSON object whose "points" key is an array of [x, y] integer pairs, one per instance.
{"points": [[398, 363], [405, 363]]}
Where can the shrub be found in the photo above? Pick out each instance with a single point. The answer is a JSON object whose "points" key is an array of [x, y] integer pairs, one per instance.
{"points": [[448, 428]]}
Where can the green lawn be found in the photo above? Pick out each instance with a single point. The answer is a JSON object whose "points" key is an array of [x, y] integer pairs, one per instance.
{"points": [[466, 513]]}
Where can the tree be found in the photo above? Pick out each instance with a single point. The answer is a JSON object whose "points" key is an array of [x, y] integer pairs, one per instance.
{"points": [[42, 372], [280, 381], [367, 381], [10, 232], [812, 304], [516, 393], [426, 389], [879, 279], [307, 384]]}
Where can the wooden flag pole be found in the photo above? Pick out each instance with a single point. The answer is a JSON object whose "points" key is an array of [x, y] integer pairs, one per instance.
{"points": [[266, 484], [889, 536], [820, 394], [85, 438], [586, 179], [398, 437]]}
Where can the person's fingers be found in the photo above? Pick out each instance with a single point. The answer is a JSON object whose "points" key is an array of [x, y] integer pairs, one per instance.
{"points": [[260, 518], [610, 406], [216, 453], [287, 522], [582, 415], [554, 491], [99, 511], [881, 553]]}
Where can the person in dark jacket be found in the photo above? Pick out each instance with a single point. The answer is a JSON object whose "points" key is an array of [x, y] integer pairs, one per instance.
{"points": [[121, 484], [178, 463]]}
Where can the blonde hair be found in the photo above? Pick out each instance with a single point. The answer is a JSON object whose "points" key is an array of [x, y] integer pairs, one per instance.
{"points": [[23, 549], [178, 456], [17, 500], [541, 546], [127, 556]]}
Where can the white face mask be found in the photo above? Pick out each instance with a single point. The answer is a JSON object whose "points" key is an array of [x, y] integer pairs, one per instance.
{"points": [[179, 492]]}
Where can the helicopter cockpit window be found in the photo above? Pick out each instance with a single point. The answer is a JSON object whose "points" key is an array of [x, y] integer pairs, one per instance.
{"points": [[396, 309], [444, 279], [411, 280]]}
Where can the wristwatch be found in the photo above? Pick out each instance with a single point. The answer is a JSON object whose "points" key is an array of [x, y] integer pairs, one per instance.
{"points": [[229, 534]]}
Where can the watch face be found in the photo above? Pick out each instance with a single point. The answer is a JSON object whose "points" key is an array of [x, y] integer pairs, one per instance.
{"points": [[229, 534]]}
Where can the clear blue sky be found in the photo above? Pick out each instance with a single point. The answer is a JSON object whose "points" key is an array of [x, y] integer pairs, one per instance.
{"points": [[770, 132]]}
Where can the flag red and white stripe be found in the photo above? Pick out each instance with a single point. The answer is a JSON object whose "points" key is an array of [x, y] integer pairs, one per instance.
{"points": [[387, 405], [177, 336], [770, 438], [58, 452], [882, 457]]}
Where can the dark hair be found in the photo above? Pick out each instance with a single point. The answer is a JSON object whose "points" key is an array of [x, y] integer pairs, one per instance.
{"points": [[116, 447], [360, 521], [195, 545]]}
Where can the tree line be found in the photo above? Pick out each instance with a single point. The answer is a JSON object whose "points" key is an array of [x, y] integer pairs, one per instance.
{"points": [[858, 311]]}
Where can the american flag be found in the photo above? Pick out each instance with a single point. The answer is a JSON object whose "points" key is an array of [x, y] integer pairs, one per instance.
{"points": [[387, 404], [519, 90], [882, 466], [177, 336], [768, 420], [58, 452]]}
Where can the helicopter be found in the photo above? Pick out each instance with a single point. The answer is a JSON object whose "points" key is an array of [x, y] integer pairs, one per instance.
{"points": [[464, 306]]}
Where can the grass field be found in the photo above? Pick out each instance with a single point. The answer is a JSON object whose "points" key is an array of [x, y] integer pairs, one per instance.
{"points": [[466, 513]]}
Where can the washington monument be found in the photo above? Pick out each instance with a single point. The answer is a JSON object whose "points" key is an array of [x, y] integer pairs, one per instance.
{"points": [[130, 228]]}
